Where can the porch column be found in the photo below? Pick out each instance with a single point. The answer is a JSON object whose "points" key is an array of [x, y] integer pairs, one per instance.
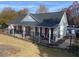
{"points": [[12, 28], [23, 32], [52, 36], [34, 33], [39, 34], [13, 31], [49, 35], [16, 27], [9, 30]]}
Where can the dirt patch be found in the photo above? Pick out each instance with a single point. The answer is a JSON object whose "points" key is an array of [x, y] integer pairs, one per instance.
{"points": [[7, 50]]}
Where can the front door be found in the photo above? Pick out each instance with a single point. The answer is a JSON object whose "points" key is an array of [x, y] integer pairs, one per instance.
{"points": [[46, 33], [19, 29]]}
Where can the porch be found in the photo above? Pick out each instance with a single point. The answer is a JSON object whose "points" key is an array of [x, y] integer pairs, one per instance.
{"points": [[36, 33], [42, 35]]}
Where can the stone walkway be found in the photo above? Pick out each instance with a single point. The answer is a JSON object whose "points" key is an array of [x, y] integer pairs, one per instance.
{"points": [[66, 43], [18, 35]]}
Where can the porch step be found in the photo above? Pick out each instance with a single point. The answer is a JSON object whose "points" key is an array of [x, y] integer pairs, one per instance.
{"points": [[59, 42], [45, 43], [53, 44]]}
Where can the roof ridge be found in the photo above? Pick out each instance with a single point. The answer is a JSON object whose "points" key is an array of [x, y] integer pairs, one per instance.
{"points": [[47, 12]]}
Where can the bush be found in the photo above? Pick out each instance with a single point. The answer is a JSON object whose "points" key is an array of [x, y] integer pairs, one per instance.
{"points": [[2, 26]]}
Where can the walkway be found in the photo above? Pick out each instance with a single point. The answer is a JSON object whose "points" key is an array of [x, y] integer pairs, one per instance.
{"points": [[66, 43]]}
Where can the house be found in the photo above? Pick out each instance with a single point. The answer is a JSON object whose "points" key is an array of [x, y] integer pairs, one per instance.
{"points": [[50, 27]]}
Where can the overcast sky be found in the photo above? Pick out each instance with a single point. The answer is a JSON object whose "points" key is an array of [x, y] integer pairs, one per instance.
{"points": [[33, 5]]}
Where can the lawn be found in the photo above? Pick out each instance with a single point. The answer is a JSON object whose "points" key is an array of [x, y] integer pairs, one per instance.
{"points": [[10, 46]]}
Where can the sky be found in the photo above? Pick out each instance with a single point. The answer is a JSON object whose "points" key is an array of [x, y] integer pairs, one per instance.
{"points": [[32, 6]]}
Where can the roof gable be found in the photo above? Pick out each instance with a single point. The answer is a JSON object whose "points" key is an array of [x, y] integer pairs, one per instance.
{"points": [[64, 20], [28, 18]]}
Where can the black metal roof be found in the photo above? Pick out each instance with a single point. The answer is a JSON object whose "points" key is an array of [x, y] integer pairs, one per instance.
{"points": [[48, 16], [48, 19], [42, 19]]}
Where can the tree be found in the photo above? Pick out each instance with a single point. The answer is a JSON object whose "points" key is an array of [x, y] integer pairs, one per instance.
{"points": [[76, 20], [23, 11], [42, 9], [7, 15], [73, 11]]}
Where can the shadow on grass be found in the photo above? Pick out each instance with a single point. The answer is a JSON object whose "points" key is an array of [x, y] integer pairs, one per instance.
{"points": [[54, 52], [74, 50]]}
